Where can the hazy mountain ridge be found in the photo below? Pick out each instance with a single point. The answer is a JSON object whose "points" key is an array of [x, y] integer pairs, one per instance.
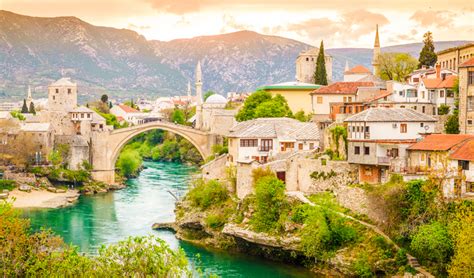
{"points": [[36, 50]]}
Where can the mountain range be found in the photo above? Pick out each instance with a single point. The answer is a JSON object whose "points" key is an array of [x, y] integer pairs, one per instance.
{"points": [[35, 51]]}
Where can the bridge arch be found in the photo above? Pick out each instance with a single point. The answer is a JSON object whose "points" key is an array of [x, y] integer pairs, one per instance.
{"points": [[108, 145]]}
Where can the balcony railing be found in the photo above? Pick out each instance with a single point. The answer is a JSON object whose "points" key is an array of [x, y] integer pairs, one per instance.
{"points": [[264, 148], [384, 160]]}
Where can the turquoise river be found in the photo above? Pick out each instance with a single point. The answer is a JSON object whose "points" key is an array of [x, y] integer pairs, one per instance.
{"points": [[108, 218]]}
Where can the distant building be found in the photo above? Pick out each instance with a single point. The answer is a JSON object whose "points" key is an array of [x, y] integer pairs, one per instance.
{"points": [[264, 138], [357, 73], [306, 66], [452, 57], [129, 114], [215, 118], [466, 97], [378, 139], [297, 94]]}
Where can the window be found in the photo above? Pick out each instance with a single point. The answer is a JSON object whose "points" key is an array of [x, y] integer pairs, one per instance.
{"points": [[68, 91], [320, 100], [266, 145], [441, 93], [54, 97], [344, 99], [368, 171], [248, 142], [449, 93], [422, 124], [416, 79], [300, 146], [349, 99], [469, 122], [57, 91], [403, 128], [423, 109], [463, 164], [367, 129], [366, 150], [470, 78], [356, 150], [470, 103], [423, 157], [311, 146], [287, 145], [307, 59]]}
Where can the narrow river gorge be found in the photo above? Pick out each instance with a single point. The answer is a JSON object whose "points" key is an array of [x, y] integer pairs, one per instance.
{"points": [[108, 218]]}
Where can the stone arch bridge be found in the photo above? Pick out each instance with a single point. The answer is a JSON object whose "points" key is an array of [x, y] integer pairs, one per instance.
{"points": [[106, 147]]}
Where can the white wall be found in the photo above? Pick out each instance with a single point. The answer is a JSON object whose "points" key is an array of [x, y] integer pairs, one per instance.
{"points": [[387, 130]]}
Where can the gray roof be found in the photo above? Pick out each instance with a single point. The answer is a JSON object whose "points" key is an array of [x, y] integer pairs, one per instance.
{"points": [[65, 81], [96, 118], [390, 115], [282, 128], [81, 109]]}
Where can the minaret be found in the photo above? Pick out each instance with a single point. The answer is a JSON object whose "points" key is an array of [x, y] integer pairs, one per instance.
{"points": [[198, 96], [346, 68], [29, 97], [375, 58], [189, 91]]}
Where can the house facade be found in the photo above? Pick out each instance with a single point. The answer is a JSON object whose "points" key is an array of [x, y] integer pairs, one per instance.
{"points": [[266, 138], [297, 94], [378, 139], [466, 97], [451, 58]]}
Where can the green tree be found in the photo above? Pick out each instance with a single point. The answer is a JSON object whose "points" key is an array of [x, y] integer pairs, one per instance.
{"points": [[432, 242], [270, 204], [247, 112], [427, 55], [208, 94], [32, 108], [129, 163], [320, 75], [302, 117], [24, 108], [396, 66], [178, 117], [104, 98], [272, 109]]}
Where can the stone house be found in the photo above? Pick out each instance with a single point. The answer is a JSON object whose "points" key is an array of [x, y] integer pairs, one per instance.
{"points": [[378, 139], [446, 156], [337, 92], [129, 114], [264, 139], [357, 73], [451, 58], [466, 97]]}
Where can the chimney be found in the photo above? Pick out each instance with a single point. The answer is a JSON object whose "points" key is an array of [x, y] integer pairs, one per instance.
{"points": [[438, 70]]}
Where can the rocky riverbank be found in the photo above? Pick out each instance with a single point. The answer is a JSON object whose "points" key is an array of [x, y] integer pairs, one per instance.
{"points": [[40, 198]]}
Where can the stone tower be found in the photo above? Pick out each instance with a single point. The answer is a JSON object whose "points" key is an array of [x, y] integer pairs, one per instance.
{"points": [[375, 58], [198, 96], [29, 98], [306, 65], [62, 95]]}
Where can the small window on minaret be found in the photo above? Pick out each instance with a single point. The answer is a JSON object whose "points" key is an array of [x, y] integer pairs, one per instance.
{"points": [[307, 59], [57, 91]]}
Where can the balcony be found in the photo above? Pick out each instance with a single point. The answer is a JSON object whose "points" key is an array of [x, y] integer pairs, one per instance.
{"points": [[383, 160], [264, 148], [366, 135]]}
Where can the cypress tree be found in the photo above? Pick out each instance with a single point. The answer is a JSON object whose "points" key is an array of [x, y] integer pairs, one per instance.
{"points": [[24, 108], [427, 55], [32, 108], [320, 75]]}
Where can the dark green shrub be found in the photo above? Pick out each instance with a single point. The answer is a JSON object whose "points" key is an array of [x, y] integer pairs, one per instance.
{"points": [[270, 204], [432, 242], [7, 185], [361, 266], [215, 221]]}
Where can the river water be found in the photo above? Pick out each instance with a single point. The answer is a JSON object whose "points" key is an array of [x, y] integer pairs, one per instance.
{"points": [[110, 217]]}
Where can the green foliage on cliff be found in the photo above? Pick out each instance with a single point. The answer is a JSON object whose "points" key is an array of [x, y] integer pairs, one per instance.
{"points": [[205, 194], [271, 207], [42, 254]]}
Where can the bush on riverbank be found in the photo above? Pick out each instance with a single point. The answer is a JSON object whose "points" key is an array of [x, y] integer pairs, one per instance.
{"points": [[7, 185], [204, 194], [129, 163], [42, 254]]}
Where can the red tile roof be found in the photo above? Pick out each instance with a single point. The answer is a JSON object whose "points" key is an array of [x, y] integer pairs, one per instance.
{"points": [[440, 142], [380, 94], [468, 63], [358, 69], [342, 88], [465, 151], [128, 109], [438, 83]]}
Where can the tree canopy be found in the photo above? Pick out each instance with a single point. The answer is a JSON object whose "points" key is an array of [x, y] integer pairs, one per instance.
{"points": [[320, 75], [32, 109], [427, 55], [261, 104], [24, 108], [104, 98], [178, 117], [396, 66]]}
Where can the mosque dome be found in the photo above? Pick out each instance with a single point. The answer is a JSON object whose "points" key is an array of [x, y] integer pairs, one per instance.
{"points": [[216, 98]]}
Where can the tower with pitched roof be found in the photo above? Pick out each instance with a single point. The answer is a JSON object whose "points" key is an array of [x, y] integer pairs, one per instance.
{"points": [[375, 58]]}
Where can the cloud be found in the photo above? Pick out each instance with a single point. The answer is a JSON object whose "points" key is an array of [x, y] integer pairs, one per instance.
{"points": [[230, 24], [348, 26], [440, 19]]}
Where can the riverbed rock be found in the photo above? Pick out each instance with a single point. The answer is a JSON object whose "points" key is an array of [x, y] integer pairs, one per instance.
{"points": [[286, 243], [4, 195], [24, 188], [51, 189], [117, 186], [102, 190], [168, 226], [60, 190]]}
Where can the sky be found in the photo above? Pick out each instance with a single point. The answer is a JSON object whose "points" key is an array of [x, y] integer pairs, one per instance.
{"points": [[340, 23]]}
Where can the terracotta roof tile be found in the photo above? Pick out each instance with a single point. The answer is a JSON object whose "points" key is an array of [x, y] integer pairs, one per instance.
{"points": [[358, 69], [128, 109], [468, 63], [464, 151], [440, 142], [344, 88], [438, 83]]}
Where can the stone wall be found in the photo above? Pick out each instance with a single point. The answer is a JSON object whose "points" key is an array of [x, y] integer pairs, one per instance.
{"points": [[215, 169]]}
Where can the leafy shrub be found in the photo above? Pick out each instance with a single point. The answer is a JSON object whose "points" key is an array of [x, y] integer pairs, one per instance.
{"points": [[341, 232], [270, 204], [315, 235], [443, 109], [215, 221], [432, 242], [300, 213], [129, 163], [259, 173], [361, 266], [7, 185], [401, 257], [206, 194]]}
